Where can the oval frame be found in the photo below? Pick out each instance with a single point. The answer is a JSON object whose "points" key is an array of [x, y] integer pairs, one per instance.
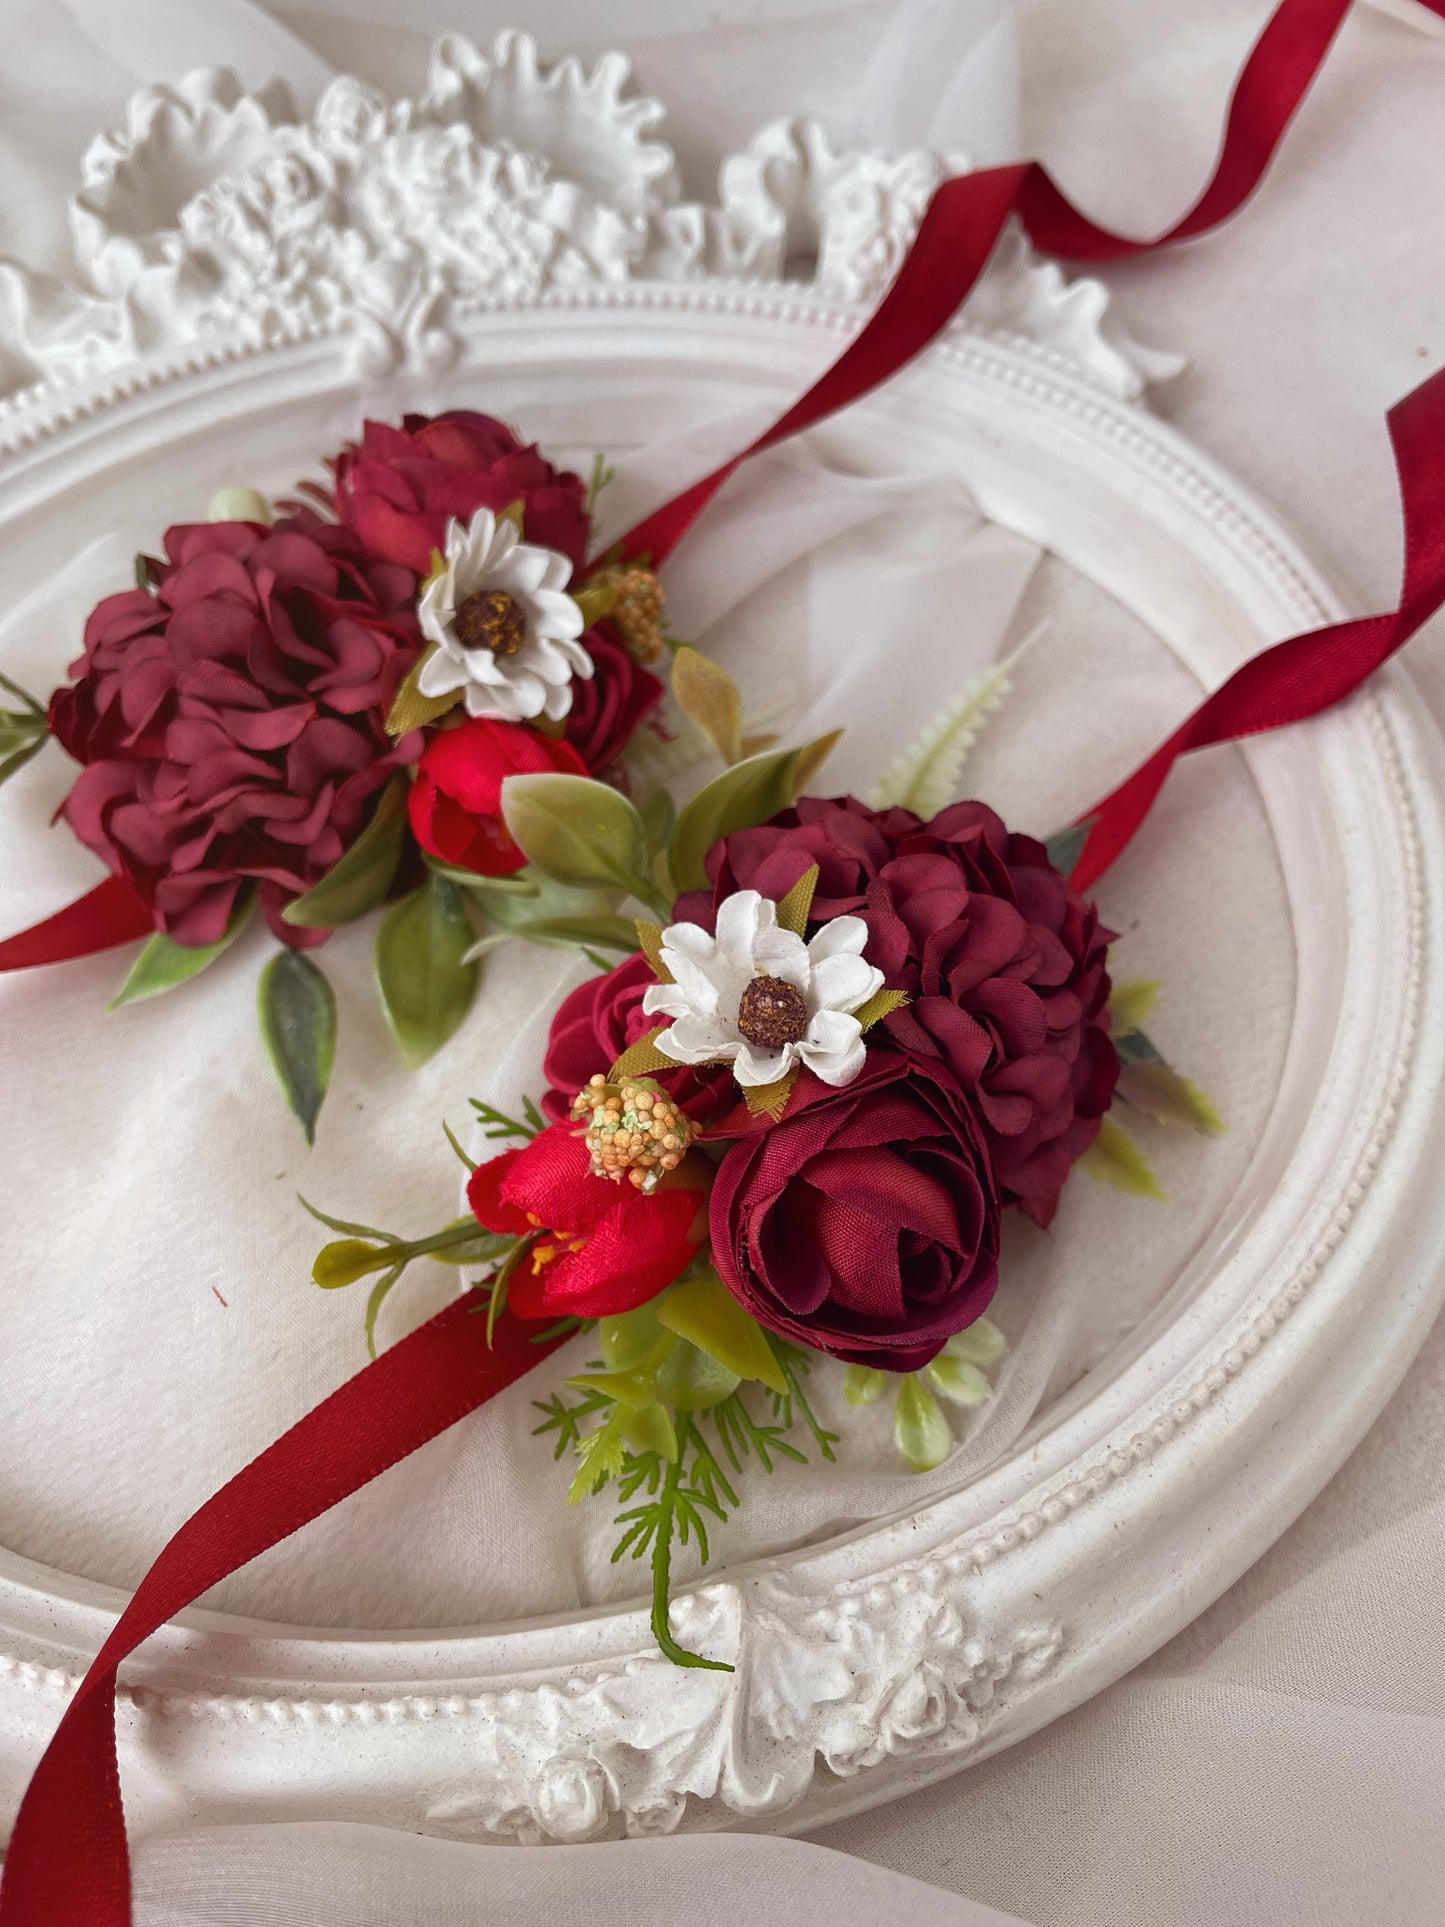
{"points": [[894, 1655]]}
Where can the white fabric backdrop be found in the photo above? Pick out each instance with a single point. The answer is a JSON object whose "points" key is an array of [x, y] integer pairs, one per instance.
{"points": [[1283, 1761]]}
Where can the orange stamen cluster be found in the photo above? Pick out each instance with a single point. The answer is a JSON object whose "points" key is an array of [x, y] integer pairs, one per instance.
{"points": [[637, 611]]}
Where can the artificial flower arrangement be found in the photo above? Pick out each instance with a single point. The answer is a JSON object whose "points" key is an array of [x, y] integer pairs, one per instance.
{"points": [[311, 713], [785, 1129]]}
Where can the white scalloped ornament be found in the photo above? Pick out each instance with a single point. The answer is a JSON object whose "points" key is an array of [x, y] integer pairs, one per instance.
{"points": [[218, 214]]}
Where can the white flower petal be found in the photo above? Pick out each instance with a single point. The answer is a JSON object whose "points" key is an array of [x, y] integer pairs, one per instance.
{"points": [[440, 675], [697, 984], [688, 940], [559, 701], [753, 1067], [782, 954], [740, 917], [665, 1000], [557, 615], [843, 982], [833, 1049], [524, 572], [694, 1039], [843, 936]]}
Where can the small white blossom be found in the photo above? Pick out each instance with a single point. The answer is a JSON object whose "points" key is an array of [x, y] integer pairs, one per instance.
{"points": [[758, 996], [507, 632]]}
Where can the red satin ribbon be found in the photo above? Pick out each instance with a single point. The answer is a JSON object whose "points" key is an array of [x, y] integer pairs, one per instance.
{"points": [[1306, 674], [963, 221], [68, 1865], [108, 915]]}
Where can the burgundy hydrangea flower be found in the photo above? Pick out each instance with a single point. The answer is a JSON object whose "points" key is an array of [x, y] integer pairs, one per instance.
{"points": [[232, 723], [866, 1222], [401, 487], [1003, 963]]}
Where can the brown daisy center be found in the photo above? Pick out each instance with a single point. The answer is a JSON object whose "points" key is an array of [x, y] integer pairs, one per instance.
{"points": [[491, 619], [772, 1013]]}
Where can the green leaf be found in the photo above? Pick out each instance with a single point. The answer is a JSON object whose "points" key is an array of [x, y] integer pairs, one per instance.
{"points": [[298, 1026], [1065, 847], [651, 1430], [600, 931], [863, 1384], [633, 1339], [426, 986], [691, 1380], [1114, 1158], [811, 758], [1131, 1002], [578, 832], [794, 907], [1163, 1094], [163, 963], [361, 876], [703, 1311], [708, 697], [748, 793], [655, 807], [925, 778], [375, 1301], [12, 765], [957, 1380], [347, 1259], [632, 1389], [410, 709], [920, 1430], [980, 1343]]}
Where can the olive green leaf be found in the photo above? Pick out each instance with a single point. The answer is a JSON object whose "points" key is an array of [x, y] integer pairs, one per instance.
{"points": [[957, 1380], [794, 907], [425, 983], [748, 793], [16, 761], [410, 709], [578, 832], [1114, 1158], [649, 941], [595, 598], [770, 1099], [880, 1005], [704, 1311], [297, 1009], [346, 1259], [655, 807], [863, 1384], [600, 932], [920, 1430], [1163, 1094], [633, 1340], [1065, 847], [625, 1388], [640, 1059], [23, 732], [925, 777], [981, 1343], [650, 1430], [811, 758], [361, 876], [1131, 1002], [692, 1380], [707, 695], [163, 963]]}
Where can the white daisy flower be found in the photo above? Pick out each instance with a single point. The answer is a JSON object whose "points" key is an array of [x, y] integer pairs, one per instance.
{"points": [[757, 995], [507, 632]]}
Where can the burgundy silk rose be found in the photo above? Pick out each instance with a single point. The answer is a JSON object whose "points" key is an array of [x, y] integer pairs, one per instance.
{"points": [[597, 1022], [866, 1222], [400, 487], [608, 709], [1003, 962], [231, 723]]}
